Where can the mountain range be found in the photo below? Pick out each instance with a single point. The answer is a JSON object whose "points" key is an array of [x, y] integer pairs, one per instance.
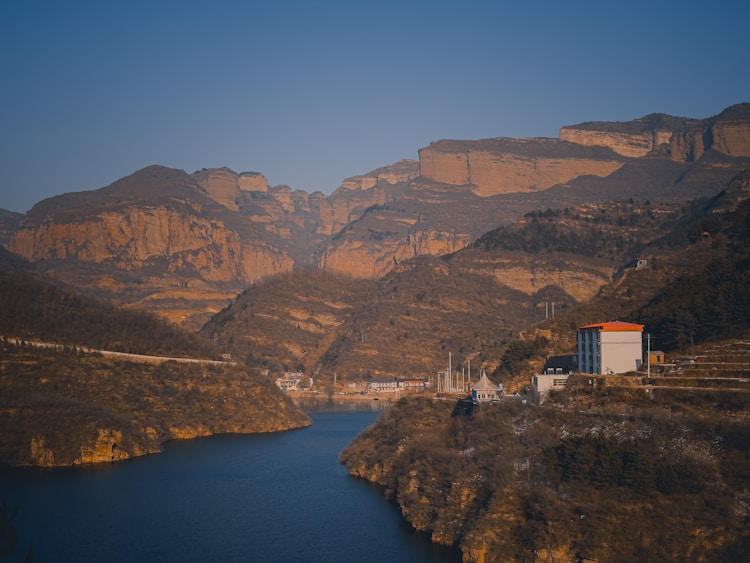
{"points": [[184, 245]]}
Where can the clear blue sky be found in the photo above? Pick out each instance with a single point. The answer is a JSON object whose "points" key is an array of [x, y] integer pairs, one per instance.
{"points": [[309, 93]]}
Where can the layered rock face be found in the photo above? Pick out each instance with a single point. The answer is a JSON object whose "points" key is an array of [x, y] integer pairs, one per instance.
{"points": [[631, 145], [179, 241], [684, 140], [137, 237], [226, 187], [370, 259], [216, 226], [502, 166], [359, 193], [573, 276]]}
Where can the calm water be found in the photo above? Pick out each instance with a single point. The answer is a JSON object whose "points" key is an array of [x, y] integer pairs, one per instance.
{"points": [[280, 497]]}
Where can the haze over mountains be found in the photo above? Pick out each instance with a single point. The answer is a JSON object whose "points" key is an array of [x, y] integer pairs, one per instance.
{"points": [[185, 244]]}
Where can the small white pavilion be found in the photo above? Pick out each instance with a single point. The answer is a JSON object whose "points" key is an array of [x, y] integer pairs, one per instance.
{"points": [[484, 390]]}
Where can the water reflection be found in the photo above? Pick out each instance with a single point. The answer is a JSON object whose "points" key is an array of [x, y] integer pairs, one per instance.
{"points": [[327, 403]]}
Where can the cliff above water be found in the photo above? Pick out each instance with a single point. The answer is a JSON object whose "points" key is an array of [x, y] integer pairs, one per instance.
{"points": [[607, 477]]}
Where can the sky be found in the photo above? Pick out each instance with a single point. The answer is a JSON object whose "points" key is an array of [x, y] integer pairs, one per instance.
{"points": [[309, 93]]}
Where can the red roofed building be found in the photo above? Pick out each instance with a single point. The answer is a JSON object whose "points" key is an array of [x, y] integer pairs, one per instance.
{"points": [[607, 348]]}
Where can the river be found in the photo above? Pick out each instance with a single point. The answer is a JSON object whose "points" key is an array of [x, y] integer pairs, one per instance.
{"points": [[266, 497]]}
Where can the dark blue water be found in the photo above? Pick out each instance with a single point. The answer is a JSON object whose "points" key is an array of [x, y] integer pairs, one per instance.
{"points": [[273, 497]]}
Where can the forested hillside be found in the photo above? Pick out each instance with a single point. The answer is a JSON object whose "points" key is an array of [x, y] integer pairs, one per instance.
{"points": [[63, 406], [33, 308], [623, 467], [622, 477], [712, 302]]}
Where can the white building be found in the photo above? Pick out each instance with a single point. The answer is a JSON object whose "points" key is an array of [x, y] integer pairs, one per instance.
{"points": [[484, 390], [543, 383], [611, 347]]}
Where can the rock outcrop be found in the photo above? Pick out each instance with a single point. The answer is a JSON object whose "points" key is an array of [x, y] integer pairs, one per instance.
{"points": [[226, 187], [138, 237], [501, 166], [375, 258], [683, 139], [105, 448]]}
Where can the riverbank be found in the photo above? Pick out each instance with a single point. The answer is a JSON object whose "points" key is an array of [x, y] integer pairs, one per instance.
{"points": [[272, 497], [342, 396], [59, 408], [561, 483]]}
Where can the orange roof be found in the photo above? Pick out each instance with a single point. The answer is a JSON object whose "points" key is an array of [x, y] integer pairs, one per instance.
{"points": [[613, 326]]}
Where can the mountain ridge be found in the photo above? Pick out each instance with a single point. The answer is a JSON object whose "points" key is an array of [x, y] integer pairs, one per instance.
{"points": [[188, 243]]}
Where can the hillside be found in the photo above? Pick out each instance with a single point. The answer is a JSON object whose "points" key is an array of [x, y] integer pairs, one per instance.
{"points": [[636, 467], [475, 302], [619, 478], [61, 404], [692, 290]]}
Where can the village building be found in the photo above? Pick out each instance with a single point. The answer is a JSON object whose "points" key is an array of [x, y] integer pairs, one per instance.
{"points": [[394, 385], [413, 384], [656, 358], [610, 347], [554, 376], [383, 385], [543, 383], [290, 381], [484, 390]]}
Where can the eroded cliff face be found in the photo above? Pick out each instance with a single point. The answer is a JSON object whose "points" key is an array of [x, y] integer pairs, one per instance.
{"points": [[359, 193], [216, 226], [226, 187], [157, 239], [682, 139], [631, 145], [375, 258], [571, 275], [136, 237], [502, 166]]}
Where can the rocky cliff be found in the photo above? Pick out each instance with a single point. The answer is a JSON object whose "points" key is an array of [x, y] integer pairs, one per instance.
{"points": [[500, 166], [159, 232], [683, 139], [186, 243]]}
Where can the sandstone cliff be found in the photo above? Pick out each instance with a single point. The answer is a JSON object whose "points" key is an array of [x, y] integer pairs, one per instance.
{"points": [[178, 241], [157, 228], [226, 187], [682, 139], [501, 166]]}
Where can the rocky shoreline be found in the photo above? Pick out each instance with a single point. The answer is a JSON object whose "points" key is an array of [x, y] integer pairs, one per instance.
{"points": [[516, 482], [62, 408]]}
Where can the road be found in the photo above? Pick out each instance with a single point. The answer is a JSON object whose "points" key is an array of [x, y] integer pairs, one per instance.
{"points": [[141, 358]]}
